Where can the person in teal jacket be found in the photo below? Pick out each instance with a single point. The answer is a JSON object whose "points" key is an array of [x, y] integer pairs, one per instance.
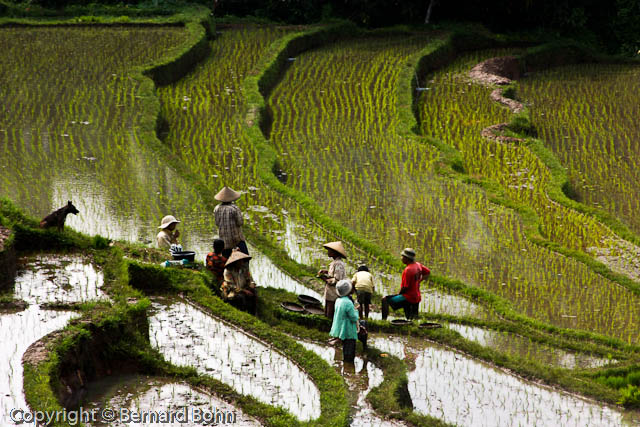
{"points": [[345, 321]]}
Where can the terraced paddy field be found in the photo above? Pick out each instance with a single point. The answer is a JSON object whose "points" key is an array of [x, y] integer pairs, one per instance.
{"points": [[340, 147], [335, 125], [587, 115]]}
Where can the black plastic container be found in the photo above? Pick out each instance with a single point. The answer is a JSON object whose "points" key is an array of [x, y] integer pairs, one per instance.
{"points": [[188, 255]]}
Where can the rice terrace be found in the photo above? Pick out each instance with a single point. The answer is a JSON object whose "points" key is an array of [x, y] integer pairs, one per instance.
{"points": [[485, 160]]}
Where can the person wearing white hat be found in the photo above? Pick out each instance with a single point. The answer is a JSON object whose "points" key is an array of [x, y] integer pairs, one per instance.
{"points": [[238, 287], [409, 296], [229, 220], [345, 321], [168, 234], [336, 272]]}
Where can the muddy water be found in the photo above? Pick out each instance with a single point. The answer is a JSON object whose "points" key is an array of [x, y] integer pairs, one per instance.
{"points": [[188, 337], [42, 279], [361, 379], [58, 279], [524, 347], [139, 394], [466, 392], [17, 332]]}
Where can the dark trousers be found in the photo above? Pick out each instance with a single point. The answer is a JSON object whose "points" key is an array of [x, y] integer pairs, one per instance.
{"points": [[410, 309], [349, 350], [245, 302], [242, 247], [329, 308]]}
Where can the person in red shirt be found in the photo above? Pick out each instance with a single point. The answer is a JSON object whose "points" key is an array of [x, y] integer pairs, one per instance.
{"points": [[409, 296], [216, 260]]}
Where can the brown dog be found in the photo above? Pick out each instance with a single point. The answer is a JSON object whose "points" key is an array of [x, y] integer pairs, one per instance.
{"points": [[57, 218]]}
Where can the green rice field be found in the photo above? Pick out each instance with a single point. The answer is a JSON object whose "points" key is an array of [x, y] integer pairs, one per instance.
{"points": [[515, 281]]}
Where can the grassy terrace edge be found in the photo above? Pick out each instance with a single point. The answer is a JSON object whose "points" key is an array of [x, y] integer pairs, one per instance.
{"points": [[119, 332], [257, 89]]}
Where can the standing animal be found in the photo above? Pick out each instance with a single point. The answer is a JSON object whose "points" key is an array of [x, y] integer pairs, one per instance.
{"points": [[57, 218]]}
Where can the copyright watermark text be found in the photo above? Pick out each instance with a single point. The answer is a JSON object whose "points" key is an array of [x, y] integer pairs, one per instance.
{"points": [[212, 417]]}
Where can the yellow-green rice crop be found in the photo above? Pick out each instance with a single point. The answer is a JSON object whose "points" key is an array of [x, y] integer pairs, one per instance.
{"points": [[588, 115], [69, 127], [455, 111], [334, 118]]}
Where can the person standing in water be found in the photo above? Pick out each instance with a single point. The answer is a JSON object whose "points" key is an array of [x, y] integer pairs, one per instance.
{"points": [[229, 220], [337, 271]]}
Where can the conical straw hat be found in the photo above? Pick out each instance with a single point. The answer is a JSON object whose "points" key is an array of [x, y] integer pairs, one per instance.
{"points": [[336, 246], [227, 195], [167, 221], [236, 256]]}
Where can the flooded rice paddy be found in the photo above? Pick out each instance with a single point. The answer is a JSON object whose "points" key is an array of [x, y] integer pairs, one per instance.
{"points": [[186, 336], [58, 279], [360, 378], [44, 278], [140, 394], [466, 392], [510, 343], [17, 332]]}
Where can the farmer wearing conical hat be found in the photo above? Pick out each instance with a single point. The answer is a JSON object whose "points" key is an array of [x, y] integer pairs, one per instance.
{"points": [[238, 287], [229, 220], [409, 296], [337, 271], [168, 234]]}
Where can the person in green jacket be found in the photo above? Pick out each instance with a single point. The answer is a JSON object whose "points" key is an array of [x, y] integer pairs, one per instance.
{"points": [[345, 321]]}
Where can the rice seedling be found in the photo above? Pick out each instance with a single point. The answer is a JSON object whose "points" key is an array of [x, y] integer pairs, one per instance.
{"points": [[587, 114], [33, 324], [188, 337], [143, 394], [516, 345], [462, 391], [333, 125]]}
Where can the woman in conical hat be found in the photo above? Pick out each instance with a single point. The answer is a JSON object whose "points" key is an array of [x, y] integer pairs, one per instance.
{"points": [[229, 220], [337, 271], [168, 234], [238, 287]]}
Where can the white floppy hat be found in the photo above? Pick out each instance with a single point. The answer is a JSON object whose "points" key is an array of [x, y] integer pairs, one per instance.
{"points": [[167, 221], [336, 246], [227, 195], [343, 287]]}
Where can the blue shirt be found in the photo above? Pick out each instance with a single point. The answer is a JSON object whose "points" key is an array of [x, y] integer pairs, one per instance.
{"points": [[345, 320]]}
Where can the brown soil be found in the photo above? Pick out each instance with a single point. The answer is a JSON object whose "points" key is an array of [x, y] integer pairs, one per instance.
{"points": [[512, 104], [4, 235], [496, 71], [493, 132]]}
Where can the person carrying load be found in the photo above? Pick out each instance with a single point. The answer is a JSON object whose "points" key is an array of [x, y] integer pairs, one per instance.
{"points": [[409, 296]]}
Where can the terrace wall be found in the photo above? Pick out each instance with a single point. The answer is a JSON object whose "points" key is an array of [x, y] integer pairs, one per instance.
{"points": [[7, 259]]}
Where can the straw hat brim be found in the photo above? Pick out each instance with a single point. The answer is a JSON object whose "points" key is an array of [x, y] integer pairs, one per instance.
{"points": [[227, 195], [168, 223], [235, 257], [336, 246]]}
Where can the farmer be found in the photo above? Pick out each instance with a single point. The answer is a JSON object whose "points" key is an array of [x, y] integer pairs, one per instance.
{"points": [[363, 282], [345, 321], [229, 220], [336, 272], [168, 234], [409, 296], [216, 260], [238, 287]]}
